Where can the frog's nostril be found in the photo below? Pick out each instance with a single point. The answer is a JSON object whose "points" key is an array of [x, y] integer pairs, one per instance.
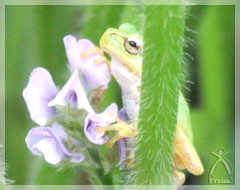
{"points": [[112, 33]]}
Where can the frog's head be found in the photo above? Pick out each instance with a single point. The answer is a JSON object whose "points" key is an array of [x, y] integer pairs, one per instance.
{"points": [[124, 44]]}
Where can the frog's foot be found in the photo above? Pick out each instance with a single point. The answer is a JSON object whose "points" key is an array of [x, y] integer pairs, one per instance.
{"points": [[178, 177], [178, 164], [185, 151], [123, 129], [101, 59], [130, 163]]}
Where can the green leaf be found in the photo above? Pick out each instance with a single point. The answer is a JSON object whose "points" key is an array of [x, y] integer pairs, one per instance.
{"points": [[162, 57]]}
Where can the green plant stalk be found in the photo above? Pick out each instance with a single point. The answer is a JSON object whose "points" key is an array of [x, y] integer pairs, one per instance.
{"points": [[162, 57]]}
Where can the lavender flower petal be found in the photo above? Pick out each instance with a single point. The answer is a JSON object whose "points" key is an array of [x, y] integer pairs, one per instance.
{"points": [[61, 135], [93, 121], [70, 44], [121, 152], [38, 93], [74, 94], [94, 74], [42, 141]]}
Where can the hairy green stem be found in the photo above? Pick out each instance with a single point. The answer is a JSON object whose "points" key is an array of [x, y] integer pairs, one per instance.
{"points": [[162, 57]]}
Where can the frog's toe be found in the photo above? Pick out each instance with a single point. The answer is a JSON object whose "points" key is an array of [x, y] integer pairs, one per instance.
{"points": [[101, 59], [91, 52], [113, 140], [186, 152], [123, 130], [178, 177]]}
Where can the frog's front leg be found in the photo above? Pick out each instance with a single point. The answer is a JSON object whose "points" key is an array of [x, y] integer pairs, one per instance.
{"points": [[100, 59], [124, 130], [185, 154]]}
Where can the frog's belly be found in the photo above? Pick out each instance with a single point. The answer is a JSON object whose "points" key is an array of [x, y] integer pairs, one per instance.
{"points": [[130, 85], [131, 106]]}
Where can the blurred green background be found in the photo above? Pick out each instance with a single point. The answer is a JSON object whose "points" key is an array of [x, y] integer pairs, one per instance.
{"points": [[34, 38]]}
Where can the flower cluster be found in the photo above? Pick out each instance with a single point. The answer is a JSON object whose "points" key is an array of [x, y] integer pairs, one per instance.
{"points": [[67, 121]]}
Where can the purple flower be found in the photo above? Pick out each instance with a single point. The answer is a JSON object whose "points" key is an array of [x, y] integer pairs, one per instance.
{"points": [[48, 142], [41, 95], [95, 73], [74, 94], [92, 121], [38, 93]]}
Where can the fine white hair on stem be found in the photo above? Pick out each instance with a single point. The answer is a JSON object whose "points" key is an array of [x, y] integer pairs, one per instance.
{"points": [[4, 183]]}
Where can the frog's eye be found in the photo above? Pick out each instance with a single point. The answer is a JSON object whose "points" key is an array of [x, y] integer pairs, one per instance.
{"points": [[133, 45]]}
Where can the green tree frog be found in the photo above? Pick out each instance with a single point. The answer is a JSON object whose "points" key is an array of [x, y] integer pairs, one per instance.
{"points": [[125, 46]]}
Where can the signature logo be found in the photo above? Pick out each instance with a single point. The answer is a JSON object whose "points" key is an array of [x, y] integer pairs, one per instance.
{"points": [[221, 159]]}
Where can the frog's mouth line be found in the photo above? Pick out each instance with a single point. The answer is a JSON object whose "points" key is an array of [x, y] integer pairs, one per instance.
{"points": [[130, 66], [133, 68]]}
